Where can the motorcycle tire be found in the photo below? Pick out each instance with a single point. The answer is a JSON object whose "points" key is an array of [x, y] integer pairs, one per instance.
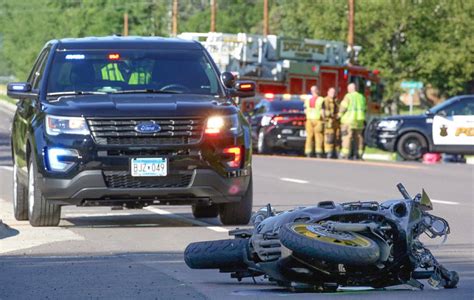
{"points": [[350, 248], [218, 254]]}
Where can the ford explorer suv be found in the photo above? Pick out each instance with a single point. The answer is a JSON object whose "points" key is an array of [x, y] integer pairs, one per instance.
{"points": [[130, 122], [446, 128]]}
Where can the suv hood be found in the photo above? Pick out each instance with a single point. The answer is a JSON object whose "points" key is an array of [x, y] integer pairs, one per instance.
{"points": [[138, 105], [406, 117]]}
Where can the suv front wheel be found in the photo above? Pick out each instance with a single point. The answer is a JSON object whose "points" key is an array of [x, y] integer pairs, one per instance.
{"points": [[238, 213], [20, 197], [40, 211]]}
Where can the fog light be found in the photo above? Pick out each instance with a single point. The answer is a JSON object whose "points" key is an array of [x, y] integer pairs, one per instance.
{"points": [[60, 159]]}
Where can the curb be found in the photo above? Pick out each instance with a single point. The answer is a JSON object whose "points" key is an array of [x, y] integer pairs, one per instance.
{"points": [[383, 157], [5, 106]]}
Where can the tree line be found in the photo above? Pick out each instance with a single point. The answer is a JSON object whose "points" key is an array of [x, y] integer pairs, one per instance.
{"points": [[426, 40]]}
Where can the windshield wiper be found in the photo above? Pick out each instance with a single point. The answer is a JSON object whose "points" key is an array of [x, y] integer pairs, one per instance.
{"points": [[146, 91], [76, 93]]}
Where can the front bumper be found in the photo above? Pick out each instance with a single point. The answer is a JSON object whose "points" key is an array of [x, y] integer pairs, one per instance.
{"points": [[380, 138], [91, 188]]}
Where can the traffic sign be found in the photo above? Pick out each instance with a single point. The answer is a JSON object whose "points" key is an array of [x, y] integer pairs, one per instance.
{"points": [[411, 85]]}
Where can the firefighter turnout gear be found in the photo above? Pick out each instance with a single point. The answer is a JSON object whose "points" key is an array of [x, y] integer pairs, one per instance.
{"points": [[329, 110], [352, 112], [314, 126]]}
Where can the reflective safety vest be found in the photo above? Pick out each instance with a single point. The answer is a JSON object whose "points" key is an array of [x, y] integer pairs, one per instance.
{"points": [[313, 108], [139, 78], [111, 72], [355, 107]]}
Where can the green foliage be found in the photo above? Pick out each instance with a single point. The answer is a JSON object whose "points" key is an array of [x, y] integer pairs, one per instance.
{"points": [[427, 40]]}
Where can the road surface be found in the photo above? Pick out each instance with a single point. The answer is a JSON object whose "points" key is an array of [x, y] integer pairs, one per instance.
{"points": [[100, 253]]}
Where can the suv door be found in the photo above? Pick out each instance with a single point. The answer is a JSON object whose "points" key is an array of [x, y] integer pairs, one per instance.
{"points": [[453, 127], [25, 111]]}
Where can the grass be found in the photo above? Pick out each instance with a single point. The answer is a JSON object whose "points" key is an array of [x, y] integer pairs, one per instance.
{"points": [[369, 150], [7, 99]]}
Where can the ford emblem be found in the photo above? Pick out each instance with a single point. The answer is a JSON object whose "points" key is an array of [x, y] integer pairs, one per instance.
{"points": [[147, 127]]}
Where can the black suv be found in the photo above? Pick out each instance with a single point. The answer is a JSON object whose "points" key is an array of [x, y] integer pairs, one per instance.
{"points": [[131, 122]]}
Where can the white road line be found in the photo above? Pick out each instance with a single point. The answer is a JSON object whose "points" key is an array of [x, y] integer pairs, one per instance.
{"points": [[445, 202], [294, 180], [8, 168], [193, 221]]}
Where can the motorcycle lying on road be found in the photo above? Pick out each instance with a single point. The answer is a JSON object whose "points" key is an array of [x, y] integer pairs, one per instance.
{"points": [[323, 247]]}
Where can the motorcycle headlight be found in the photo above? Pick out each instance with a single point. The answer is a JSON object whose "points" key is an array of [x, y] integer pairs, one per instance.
{"points": [[56, 125], [218, 124], [388, 124]]}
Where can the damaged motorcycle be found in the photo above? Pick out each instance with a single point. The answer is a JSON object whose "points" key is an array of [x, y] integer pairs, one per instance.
{"points": [[323, 247]]}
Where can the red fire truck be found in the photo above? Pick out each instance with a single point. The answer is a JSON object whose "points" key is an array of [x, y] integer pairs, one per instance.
{"points": [[282, 65]]}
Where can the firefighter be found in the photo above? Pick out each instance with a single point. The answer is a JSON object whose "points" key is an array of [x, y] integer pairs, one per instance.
{"points": [[314, 124], [329, 111], [352, 112]]}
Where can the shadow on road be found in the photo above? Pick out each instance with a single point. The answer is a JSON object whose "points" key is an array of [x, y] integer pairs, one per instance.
{"points": [[138, 220]]}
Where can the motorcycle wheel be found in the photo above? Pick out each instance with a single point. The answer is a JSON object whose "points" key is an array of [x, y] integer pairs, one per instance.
{"points": [[218, 254], [314, 241]]}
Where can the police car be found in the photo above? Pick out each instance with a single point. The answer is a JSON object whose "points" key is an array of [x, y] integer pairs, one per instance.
{"points": [[445, 128]]}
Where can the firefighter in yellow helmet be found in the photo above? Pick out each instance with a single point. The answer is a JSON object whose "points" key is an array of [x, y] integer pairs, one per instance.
{"points": [[352, 112], [314, 124], [329, 112]]}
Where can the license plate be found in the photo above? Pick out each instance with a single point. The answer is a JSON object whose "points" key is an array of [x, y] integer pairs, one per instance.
{"points": [[149, 167], [303, 133]]}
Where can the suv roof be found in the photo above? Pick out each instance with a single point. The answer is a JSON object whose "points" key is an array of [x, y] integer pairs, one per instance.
{"points": [[129, 42]]}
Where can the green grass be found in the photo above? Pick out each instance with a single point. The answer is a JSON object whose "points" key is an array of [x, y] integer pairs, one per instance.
{"points": [[416, 110], [369, 150]]}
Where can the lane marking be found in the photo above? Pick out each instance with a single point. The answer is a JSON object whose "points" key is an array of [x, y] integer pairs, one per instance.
{"points": [[8, 168], [343, 161], [294, 180], [193, 221], [445, 202]]}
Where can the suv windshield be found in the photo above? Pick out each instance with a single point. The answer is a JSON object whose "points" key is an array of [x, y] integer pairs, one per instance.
{"points": [[139, 70]]}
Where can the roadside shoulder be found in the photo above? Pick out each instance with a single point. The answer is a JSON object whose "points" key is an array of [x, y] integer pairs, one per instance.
{"points": [[6, 106]]}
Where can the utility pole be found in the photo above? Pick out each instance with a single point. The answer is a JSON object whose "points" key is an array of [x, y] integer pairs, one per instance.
{"points": [[174, 18], [125, 24], [213, 15], [266, 29], [350, 34]]}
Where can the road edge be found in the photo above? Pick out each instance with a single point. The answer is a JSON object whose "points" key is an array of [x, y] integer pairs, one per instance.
{"points": [[6, 106]]}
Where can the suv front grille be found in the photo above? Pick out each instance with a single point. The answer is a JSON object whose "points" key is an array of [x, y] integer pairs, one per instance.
{"points": [[175, 131], [123, 180]]}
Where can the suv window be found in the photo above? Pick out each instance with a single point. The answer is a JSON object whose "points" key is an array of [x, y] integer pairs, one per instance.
{"points": [[38, 75], [464, 107], [180, 71], [35, 71]]}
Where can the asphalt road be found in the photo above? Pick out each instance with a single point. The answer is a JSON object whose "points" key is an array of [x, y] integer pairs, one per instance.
{"points": [[100, 253]]}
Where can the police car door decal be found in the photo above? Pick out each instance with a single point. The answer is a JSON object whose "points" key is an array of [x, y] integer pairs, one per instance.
{"points": [[453, 130]]}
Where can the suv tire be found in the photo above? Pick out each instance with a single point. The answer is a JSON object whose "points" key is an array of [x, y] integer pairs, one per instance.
{"points": [[238, 213], [412, 146], [20, 197], [40, 211], [205, 211]]}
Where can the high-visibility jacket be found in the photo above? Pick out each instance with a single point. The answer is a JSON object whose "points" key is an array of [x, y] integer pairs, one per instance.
{"points": [[111, 72], [313, 108], [352, 110]]}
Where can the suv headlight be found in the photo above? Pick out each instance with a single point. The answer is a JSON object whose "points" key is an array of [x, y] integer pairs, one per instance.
{"points": [[388, 124], [218, 124], [56, 125]]}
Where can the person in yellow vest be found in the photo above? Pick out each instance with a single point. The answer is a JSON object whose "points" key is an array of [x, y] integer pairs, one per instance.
{"points": [[112, 72], [352, 113], [329, 112], [314, 124]]}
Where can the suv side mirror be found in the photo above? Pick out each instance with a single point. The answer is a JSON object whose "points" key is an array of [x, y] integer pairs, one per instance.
{"points": [[228, 79], [243, 89], [18, 89]]}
